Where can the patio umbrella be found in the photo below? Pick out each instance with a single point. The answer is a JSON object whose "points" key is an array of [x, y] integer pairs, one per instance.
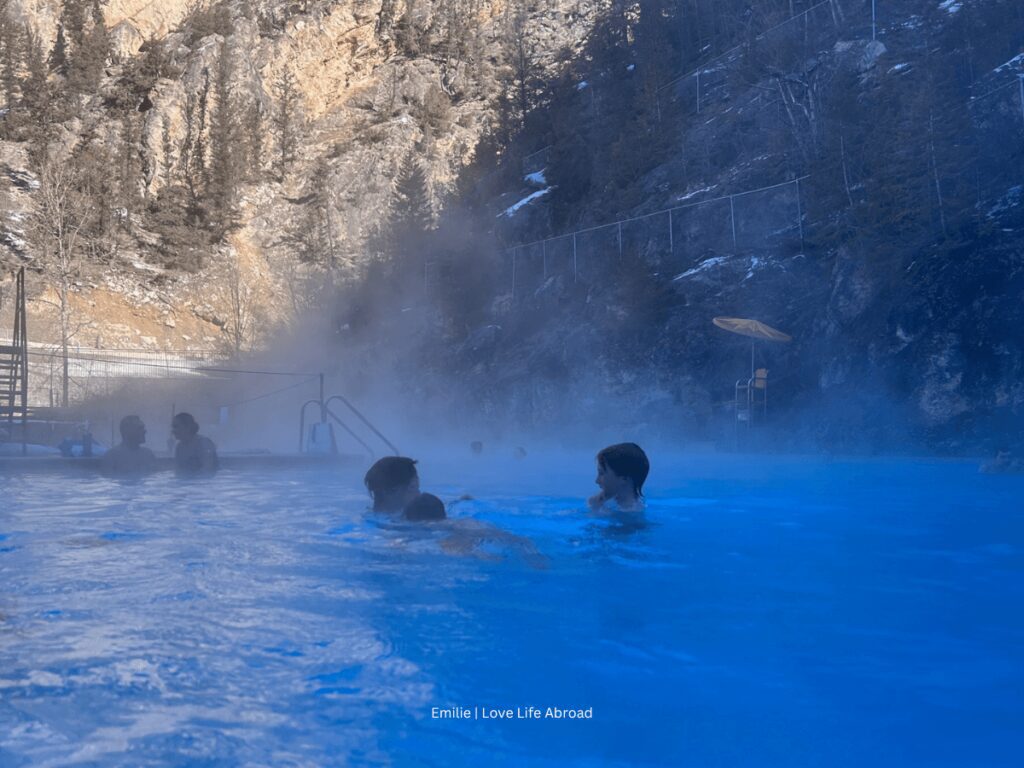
{"points": [[754, 329]]}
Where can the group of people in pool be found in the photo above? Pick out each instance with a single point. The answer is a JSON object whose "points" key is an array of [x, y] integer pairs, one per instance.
{"points": [[393, 482], [194, 454], [622, 469]]}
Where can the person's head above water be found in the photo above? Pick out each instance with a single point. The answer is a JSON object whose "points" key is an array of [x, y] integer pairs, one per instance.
{"points": [[184, 426], [133, 431], [622, 470], [392, 483], [424, 508]]}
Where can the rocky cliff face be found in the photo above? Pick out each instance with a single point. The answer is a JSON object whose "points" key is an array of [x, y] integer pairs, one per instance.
{"points": [[364, 103]]}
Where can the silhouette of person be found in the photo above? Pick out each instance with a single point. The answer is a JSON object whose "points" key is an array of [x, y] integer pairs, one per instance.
{"points": [[194, 455], [129, 457]]}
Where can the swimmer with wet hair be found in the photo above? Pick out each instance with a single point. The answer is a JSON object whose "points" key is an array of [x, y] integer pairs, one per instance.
{"points": [[424, 508], [393, 483], [194, 455], [621, 472]]}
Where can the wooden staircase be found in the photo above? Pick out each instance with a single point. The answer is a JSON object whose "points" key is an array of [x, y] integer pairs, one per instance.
{"points": [[14, 375]]}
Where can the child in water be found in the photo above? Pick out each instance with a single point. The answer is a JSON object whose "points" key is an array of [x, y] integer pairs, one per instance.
{"points": [[621, 472], [424, 508], [392, 482]]}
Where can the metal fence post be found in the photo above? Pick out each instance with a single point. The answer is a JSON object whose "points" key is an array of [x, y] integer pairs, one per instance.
{"points": [[671, 244], [732, 219], [513, 273], [800, 215], [1021, 78], [574, 268]]}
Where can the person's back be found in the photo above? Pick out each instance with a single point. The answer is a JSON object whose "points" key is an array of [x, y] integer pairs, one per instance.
{"points": [[129, 457], [194, 454]]}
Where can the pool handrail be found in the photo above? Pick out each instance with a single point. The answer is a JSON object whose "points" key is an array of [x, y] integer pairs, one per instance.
{"points": [[363, 419], [326, 411], [348, 429]]}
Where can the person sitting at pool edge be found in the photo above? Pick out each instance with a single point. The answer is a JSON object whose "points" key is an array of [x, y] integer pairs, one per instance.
{"points": [[194, 454], [621, 472], [424, 508], [129, 457], [392, 483]]}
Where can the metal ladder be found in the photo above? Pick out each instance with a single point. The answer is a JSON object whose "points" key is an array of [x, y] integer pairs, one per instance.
{"points": [[326, 412]]}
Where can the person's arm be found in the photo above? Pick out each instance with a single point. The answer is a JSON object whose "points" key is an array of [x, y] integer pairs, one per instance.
{"points": [[468, 534]]}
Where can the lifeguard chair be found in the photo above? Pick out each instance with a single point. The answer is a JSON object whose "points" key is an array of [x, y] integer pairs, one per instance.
{"points": [[751, 401]]}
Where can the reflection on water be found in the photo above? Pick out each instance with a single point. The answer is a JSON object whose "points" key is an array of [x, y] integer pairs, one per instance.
{"points": [[832, 614]]}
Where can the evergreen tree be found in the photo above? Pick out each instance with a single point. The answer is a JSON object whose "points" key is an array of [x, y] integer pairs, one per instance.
{"points": [[411, 215], [59, 54], [287, 120], [129, 175], [193, 151], [314, 238], [90, 52], [226, 151], [255, 124], [12, 54], [38, 99]]}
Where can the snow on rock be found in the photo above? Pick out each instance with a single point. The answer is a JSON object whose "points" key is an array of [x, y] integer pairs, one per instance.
{"points": [[512, 209], [704, 266], [537, 177], [1015, 63], [581, 85], [951, 6], [694, 193], [901, 67]]}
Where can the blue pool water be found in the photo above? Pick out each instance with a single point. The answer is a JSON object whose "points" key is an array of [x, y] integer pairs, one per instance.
{"points": [[773, 613]]}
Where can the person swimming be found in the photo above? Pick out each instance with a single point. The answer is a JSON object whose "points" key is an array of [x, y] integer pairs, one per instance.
{"points": [[469, 537], [129, 457], [424, 508], [194, 455], [393, 483], [621, 472]]}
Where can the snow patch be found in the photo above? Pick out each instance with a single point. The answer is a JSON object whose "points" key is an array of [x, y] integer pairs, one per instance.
{"points": [[695, 192], [1014, 196], [1015, 62], [901, 67], [513, 209], [581, 85], [951, 6], [756, 262], [704, 266], [537, 177], [631, 67]]}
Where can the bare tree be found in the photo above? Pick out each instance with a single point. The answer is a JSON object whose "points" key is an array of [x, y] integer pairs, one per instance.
{"points": [[243, 304], [56, 228]]}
